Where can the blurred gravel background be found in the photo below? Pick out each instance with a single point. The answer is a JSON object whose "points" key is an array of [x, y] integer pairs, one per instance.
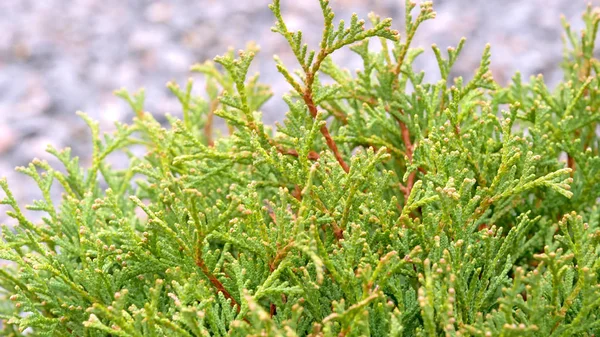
{"points": [[60, 56]]}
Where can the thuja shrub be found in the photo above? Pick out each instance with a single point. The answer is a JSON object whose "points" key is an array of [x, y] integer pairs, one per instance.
{"points": [[383, 205]]}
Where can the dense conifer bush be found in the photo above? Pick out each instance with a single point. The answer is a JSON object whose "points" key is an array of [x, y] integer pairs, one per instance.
{"points": [[383, 206]]}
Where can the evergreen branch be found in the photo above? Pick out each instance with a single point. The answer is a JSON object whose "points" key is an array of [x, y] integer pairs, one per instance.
{"points": [[215, 282], [409, 154], [260, 233]]}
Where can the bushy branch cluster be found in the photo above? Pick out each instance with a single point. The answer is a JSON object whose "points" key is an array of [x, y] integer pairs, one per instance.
{"points": [[383, 206]]}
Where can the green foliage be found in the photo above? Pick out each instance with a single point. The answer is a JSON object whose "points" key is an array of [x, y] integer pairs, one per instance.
{"points": [[383, 206]]}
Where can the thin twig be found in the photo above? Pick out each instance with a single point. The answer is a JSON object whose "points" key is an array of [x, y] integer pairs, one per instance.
{"points": [[571, 164], [410, 182], [312, 155], [216, 283], [312, 108], [281, 254]]}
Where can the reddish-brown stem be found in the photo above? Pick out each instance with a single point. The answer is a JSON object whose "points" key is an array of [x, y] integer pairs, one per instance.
{"points": [[571, 163], [337, 232], [297, 193], [216, 283], [442, 102], [332, 145], [312, 155], [410, 182], [307, 96], [312, 108], [281, 254]]}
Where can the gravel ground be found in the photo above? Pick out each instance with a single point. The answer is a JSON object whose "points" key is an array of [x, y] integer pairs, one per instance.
{"points": [[59, 56]]}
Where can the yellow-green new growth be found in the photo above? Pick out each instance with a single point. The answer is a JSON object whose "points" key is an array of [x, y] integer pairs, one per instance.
{"points": [[383, 206]]}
